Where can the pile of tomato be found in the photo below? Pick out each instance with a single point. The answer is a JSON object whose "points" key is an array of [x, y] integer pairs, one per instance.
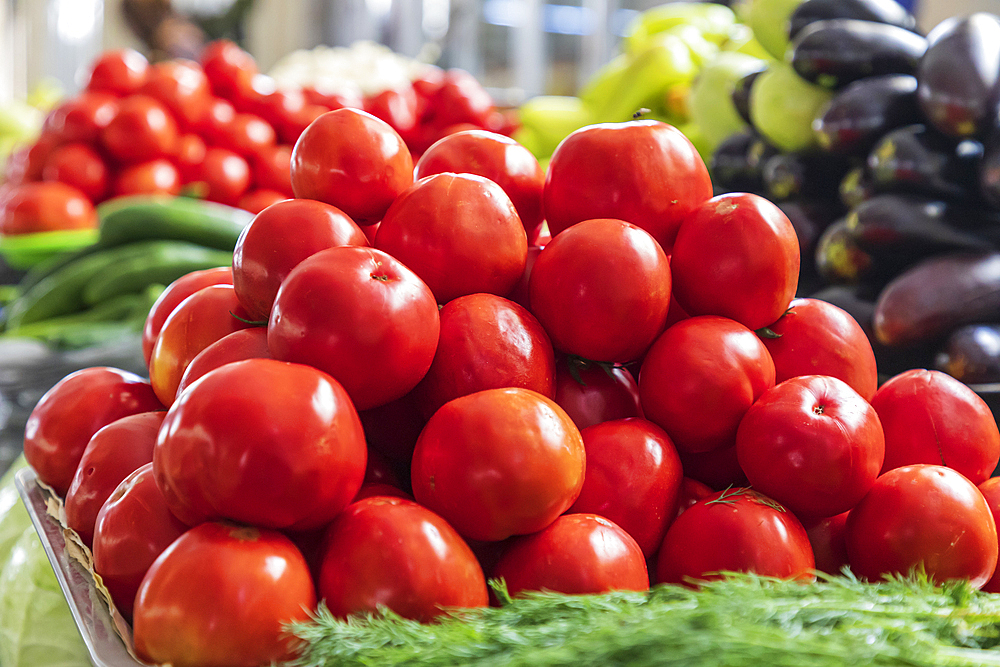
{"points": [[216, 128], [406, 383]]}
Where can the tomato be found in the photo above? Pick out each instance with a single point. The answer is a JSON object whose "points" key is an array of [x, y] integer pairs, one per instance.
{"points": [[633, 478], [344, 94], [499, 462], [459, 233], [143, 129], [272, 169], [700, 377], [828, 537], [691, 491], [228, 68], [72, 411], [601, 289], [197, 322], [243, 344], [173, 295], [486, 342], [577, 554], [397, 107], [225, 174], [496, 157], [391, 552], [256, 201], [460, 98], [80, 166], [930, 417], [361, 316], [644, 172], [736, 256], [133, 527], [191, 151], [813, 444], [591, 393], [991, 491], [26, 164], [82, 118], [277, 239], [923, 515], [120, 72], [282, 108], [352, 160], [45, 207], [214, 123], [247, 135], [222, 594], [816, 337], [151, 177], [182, 87], [112, 454], [735, 530]]}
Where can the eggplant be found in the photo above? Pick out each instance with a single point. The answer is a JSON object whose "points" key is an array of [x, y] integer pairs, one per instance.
{"points": [[865, 110], [959, 75], [737, 163], [804, 174], [919, 159], [835, 52], [839, 260], [972, 354], [741, 94], [809, 218], [878, 11], [989, 171], [855, 187]]}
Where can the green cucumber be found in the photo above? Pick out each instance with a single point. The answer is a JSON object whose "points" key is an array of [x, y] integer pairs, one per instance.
{"points": [[140, 217]]}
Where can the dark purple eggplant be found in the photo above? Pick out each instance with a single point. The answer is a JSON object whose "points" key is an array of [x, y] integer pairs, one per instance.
{"points": [[804, 174], [741, 94], [839, 260], [835, 52], [809, 218], [865, 110], [972, 354], [960, 75], [737, 164], [878, 11], [919, 159], [855, 187], [989, 171]]}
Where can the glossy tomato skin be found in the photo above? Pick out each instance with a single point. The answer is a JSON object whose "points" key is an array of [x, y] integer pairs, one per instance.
{"points": [[578, 554], [362, 317], [591, 393], [119, 72], [700, 377], [221, 594], [256, 201], [392, 552], [181, 86], [923, 514], [133, 527], [82, 118], [818, 338], [352, 160], [247, 134], [991, 492], [813, 444], [459, 232], [645, 172], [601, 289], [930, 417], [486, 342], [72, 411], [173, 295], [496, 157], [272, 169], [633, 479], [243, 344], [262, 442], [737, 256], [735, 530], [228, 68], [158, 176], [45, 207], [142, 129], [499, 462], [277, 239], [113, 453], [226, 175], [691, 491], [828, 537], [80, 166]]}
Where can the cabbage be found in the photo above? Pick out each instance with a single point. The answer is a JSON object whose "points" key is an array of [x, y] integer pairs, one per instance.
{"points": [[13, 516]]}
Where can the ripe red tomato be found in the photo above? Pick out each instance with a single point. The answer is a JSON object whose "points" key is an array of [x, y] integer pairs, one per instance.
{"points": [[499, 462], [700, 377], [182, 87], [601, 289], [213, 124], [71, 412], [816, 337], [459, 233], [26, 163], [397, 107], [691, 491], [80, 166], [151, 177], [247, 134], [576, 554], [735, 530], [391, 552], [112, 454], [272, 169], [256, 201], [142, 129], [362, 317], [197, 322], [930, 417], [133, 527], [991, 492], [737, 256], [222, 594], [352, 160], [44, 207], [923, 515], [226, 175], [828, 537], [813, 444], [460, 98], [262, 442], [277, 239], [120, 72], [496, 157], [82, 118], [228, 68], [486, 342], [633, 478], [243, 344], [644, 171], [591, 393], [173, 295], [191, 151]]}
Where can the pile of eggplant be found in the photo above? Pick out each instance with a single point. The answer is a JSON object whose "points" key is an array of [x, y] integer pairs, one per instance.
{"points": [[899, 198]]}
